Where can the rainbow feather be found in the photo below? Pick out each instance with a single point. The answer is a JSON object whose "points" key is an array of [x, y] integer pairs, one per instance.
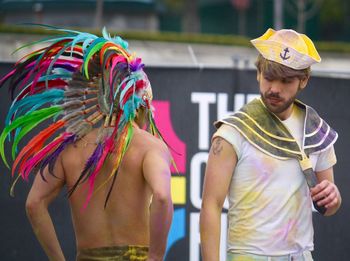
{"points": [[23, 105], [76, 80], [107, 149], [33, 162], [90, 166], [90, 51], [36, 143], [32, 120], [51, 158]]}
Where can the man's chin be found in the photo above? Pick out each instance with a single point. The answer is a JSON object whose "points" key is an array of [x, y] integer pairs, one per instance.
{"points": [[274, 108]]}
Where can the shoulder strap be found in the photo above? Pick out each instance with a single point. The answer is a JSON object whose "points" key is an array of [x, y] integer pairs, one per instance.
{"points": [[264, 131]]}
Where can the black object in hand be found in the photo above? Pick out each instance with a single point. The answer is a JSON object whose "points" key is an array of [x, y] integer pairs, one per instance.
{"points": [[321, 209]]}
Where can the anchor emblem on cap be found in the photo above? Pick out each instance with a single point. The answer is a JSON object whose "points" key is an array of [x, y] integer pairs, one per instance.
{"points": [[284, 56]]}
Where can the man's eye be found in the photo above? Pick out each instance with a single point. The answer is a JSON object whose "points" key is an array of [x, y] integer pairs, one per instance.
{"points": [[287, 80]]}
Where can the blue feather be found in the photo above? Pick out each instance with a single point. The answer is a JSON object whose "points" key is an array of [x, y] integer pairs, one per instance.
{"points": [[83, 37], [34, 101], [130, 107], [117, 39], [92, 45]]}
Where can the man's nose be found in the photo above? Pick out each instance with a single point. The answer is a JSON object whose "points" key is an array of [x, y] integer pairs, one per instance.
{"points": [[275, 87]]}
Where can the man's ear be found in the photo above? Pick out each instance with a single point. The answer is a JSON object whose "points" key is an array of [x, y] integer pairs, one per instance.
{"points": [[303, 83], [258, 75], [141, 117]]}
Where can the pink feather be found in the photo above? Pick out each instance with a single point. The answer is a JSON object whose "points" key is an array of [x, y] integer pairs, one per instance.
{"points": [[32, 163], [115, 61], [109, 146]]}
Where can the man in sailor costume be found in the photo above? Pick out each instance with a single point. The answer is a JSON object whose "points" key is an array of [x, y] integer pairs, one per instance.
{"points": [[273, 159]]}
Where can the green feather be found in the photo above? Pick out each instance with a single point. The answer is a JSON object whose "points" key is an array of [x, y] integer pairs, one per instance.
{"points": [[88, 56], [128, 137], [27, 122]]}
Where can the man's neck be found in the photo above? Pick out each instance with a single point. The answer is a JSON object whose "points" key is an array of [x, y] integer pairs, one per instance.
{"points": [[135, 125], [286, 113]]}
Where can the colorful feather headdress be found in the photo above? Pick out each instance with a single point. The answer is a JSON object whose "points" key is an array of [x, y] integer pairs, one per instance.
{"points": [[80, 81]]}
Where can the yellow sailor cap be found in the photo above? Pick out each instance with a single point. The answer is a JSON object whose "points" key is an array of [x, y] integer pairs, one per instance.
{"points": [[287, 47]]}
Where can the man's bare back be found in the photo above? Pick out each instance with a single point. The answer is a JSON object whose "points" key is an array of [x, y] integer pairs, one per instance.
{"points": [[144, 173], [128, 206]]}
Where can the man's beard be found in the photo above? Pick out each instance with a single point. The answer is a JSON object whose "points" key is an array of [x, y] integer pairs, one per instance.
{"points": [[281, 107]]}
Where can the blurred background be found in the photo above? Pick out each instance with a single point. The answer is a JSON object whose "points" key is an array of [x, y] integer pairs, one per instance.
{"points": [[227, 23], [201, 65], [317, 18]]}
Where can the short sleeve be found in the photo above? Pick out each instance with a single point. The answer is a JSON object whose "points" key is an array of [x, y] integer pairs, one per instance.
{"points": [[232, 136], [326, 159]]}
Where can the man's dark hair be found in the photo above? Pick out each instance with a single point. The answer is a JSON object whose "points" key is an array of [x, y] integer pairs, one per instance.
{"points": [[274, 70]]}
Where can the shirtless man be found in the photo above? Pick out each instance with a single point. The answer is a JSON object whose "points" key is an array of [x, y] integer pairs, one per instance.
{"points": [[131, 221], [129, 218]]}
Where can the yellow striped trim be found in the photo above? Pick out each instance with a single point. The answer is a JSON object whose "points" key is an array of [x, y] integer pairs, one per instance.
{"points": [[255, 145], [265, 140], [268, 133]]}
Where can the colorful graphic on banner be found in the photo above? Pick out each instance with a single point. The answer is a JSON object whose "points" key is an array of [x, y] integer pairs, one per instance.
{"points": [[178, 180], [187, 204]]}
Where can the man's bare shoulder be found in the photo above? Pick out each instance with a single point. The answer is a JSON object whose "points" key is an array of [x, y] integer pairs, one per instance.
{"points": [[77, 153], [150, 142], [147, 137]]}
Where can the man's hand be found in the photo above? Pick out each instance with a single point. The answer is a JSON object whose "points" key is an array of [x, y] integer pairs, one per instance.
{"points": [[326, 194]]}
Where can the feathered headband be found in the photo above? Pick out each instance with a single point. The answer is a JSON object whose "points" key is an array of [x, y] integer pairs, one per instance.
{"points": [[80, 81]]}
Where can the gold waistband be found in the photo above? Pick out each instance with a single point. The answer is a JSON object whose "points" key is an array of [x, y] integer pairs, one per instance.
{"points": [[113, 253]]}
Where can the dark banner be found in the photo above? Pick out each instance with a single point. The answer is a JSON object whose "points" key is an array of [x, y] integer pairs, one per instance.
{"points": [[187, 101]]}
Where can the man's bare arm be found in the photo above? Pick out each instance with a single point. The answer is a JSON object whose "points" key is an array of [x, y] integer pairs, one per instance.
{"points": [[326, 193], [40, 196], [221, 163], [156, 169]]}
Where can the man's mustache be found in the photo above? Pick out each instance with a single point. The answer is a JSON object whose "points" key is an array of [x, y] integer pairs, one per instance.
{"points": [[272, 95]]}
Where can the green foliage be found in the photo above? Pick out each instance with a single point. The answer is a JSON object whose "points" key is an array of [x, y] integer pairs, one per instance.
{"points": [[142, 35], [339, 47], [332, 11], [175, 6], [334, 47]]}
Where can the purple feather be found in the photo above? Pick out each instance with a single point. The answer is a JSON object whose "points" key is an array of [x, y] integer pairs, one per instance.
{"points": [[51, 159], [90, 166], [121, 66], [66, 66], [136, 65], [94, 158]]}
